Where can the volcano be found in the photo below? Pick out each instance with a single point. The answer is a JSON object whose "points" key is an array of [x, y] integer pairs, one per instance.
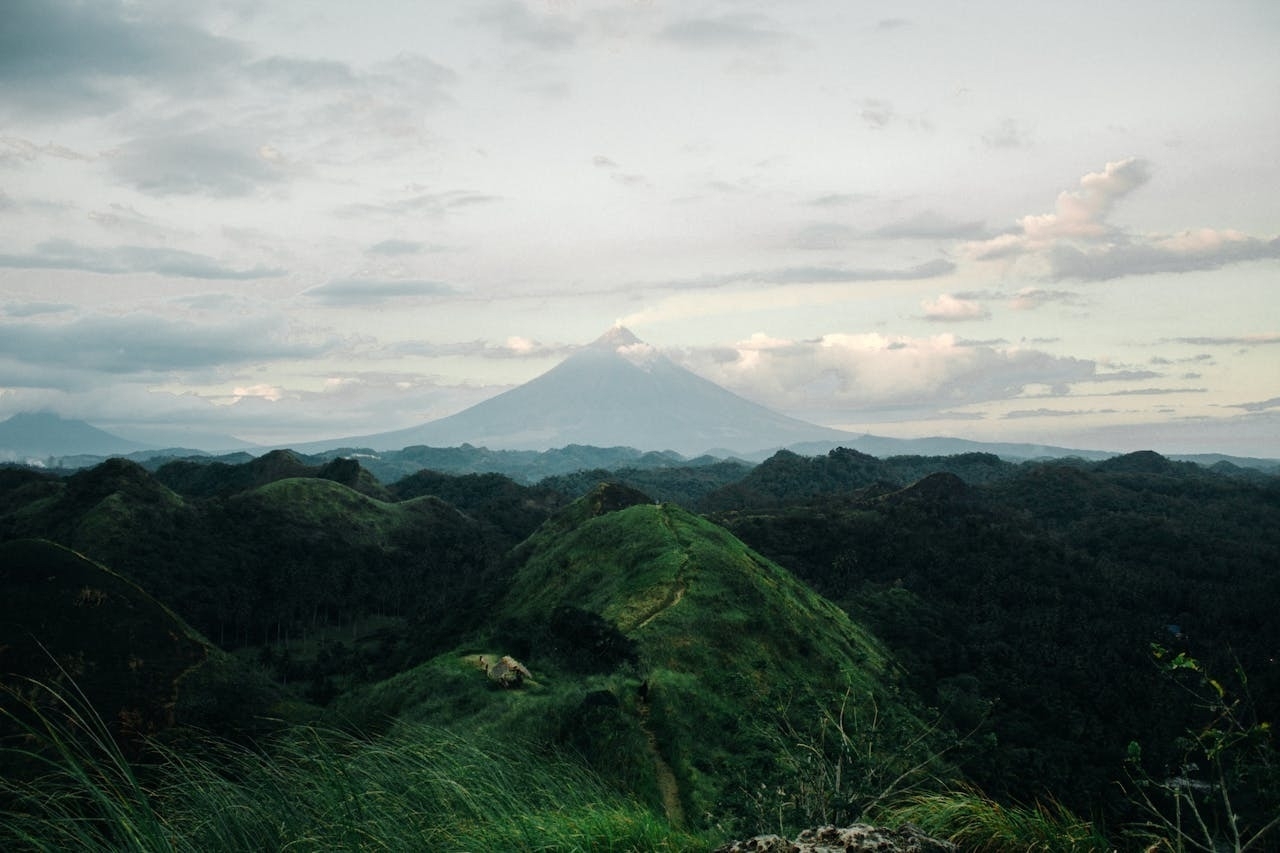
{"points": [[614, 392]]}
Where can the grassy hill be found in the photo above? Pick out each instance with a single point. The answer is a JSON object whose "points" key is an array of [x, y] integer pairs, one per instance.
{"points": [[323, 585], [683, 666]]}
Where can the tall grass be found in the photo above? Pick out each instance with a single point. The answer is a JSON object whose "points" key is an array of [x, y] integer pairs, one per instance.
{"points": [[418, 787], [979, 824]]}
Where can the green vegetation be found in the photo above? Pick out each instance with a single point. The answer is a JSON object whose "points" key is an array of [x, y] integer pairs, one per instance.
{"points": [[1227, 783], [936, 640], [418, 788], [979, 824], [1025, 606], [666, 631], [69, 621]]}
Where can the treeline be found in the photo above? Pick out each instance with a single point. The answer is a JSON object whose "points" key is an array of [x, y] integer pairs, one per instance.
{"points": [[1026, 606], [273, 562]]}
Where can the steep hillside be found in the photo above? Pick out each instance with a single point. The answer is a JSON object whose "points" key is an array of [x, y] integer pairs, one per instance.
{"points": [[66, 620], [679, 661]]}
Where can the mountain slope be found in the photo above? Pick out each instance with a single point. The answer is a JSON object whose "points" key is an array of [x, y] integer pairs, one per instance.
{"points": [[38, 435], [671, 656], [66, 619], [616, 391]]}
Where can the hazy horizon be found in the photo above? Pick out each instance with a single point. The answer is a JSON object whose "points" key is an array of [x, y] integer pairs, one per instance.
{"points": [[297, 221]]}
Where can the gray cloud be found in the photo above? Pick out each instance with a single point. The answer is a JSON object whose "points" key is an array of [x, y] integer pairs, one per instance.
{"points": [[629, 179], [824, 236], [35, 309], [1153, 392], [735, 31], [396, 247], [1200, 251], [1126, 376], [124, 219], [221, 164], [818, 275], [64, 254], [839, 199], [422, 204], [1228, 341], [147, 343], [930, 224], [354, 292], [15, 148], [1259, 406], [876, 113], [302, 73], [1009, 134], [1053, 413], [1030, 298], [58, 56], [515, 23]]}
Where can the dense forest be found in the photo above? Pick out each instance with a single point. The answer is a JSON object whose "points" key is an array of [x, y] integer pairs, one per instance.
{"points": [[1070, 630]]}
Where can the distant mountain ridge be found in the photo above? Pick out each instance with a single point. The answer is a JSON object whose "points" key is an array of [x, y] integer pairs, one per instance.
{"points": [[36, 435], [616, 391]]}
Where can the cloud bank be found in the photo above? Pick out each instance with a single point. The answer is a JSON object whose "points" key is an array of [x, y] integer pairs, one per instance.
{"points": [[1077, 242]]}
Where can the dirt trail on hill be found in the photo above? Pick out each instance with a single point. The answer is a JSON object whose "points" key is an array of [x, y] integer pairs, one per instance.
{"points": [[673, 598], [667, 785], [677, 590]]}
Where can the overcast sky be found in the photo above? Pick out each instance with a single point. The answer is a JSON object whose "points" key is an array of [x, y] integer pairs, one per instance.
{"points": [[1030, 221]]}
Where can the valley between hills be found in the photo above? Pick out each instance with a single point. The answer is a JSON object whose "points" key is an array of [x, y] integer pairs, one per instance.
{"points": [[294, 651]]}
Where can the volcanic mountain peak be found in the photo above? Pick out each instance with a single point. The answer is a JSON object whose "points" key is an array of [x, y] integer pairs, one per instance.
{"points": [[617, 337], [621, 341], [614, 392]]}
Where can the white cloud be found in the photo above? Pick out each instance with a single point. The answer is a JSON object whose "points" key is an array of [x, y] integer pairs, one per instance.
{"points": [[842, 373], [1077, 242], [948, 308]]}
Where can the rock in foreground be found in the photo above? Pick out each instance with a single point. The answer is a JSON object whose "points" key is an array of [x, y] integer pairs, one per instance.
{"points": [[859, 838]]}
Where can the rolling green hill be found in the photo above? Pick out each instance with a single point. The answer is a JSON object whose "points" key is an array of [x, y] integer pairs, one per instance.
{"points": [[679, 662], [278, 562]]}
